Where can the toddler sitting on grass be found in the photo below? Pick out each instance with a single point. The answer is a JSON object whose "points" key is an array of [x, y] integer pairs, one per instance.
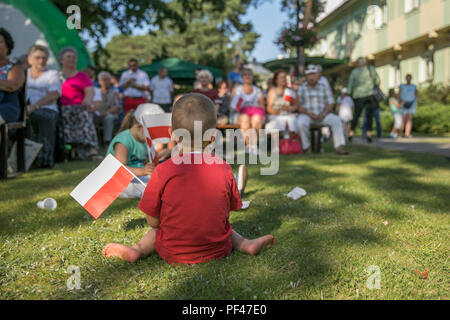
{"points": [[187, 205]]}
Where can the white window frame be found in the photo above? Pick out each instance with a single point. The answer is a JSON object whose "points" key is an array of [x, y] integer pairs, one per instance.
{"points": [[423, 70], [410, 5], [385, 9]]}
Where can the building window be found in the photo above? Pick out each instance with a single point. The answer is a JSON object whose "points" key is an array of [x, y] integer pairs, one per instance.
{"points": [[397, 73], [385, 13], [392, 74], [324, 47], [377, 16], [423, 76], [428, 59], [410, 5]]}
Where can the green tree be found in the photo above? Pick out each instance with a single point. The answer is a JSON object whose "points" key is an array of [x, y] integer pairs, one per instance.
{"points": [[129, 14], [304, 13], [211, 37]]}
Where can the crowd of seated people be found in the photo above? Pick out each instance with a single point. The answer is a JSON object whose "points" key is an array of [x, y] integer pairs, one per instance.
{"points": [[83, 105]]}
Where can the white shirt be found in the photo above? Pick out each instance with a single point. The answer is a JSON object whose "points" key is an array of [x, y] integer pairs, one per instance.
{"points": [[40, 87], [162, 89], [97, 97], [141, 80], [324, 80], [345, 108], [97, 94]]}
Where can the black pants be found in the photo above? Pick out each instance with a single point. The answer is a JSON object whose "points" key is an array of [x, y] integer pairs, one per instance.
{"points": [[360, 103], [44, 122]]}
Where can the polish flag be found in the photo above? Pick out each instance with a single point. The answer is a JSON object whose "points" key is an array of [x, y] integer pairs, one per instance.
{"points": [[237, 102], [102, 186], [289, 95], [156, 131], [157, 126], [151, 149]]}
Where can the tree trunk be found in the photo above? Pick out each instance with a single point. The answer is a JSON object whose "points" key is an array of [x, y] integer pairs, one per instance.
{"points": [[307, 17], [300, 58], [306, 20]]}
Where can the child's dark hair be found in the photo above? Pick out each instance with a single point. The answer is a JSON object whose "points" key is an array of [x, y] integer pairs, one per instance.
{"points": [[128, 122], [392, 93], [193, 107]]}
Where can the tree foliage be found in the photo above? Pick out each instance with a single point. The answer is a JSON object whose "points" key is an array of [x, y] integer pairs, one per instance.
{"points": [[211, 37], [166, 20], [295, 7], [296, 10]]}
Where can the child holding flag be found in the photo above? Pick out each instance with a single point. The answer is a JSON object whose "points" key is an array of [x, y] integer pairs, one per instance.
{"points": [[186, 209], [129, 147]]}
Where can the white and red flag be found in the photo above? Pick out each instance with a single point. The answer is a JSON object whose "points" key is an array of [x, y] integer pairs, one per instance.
{"points": [[102, 186], [156, 131], [157, 126], [237, 102], [289, 95]]}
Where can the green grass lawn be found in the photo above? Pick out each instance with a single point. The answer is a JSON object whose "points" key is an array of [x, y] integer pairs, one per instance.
{"points": [[325, 241]]}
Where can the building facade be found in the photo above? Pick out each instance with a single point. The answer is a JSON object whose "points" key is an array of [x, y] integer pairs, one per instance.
{"points": [[397, 36]]}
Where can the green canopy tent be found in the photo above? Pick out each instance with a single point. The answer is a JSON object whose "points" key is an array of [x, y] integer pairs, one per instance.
{"points": [[48, 20], [287, 63], [179, 71]]}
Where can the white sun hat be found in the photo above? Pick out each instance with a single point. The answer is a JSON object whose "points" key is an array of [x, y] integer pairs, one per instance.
{"points": [[147, 108]]}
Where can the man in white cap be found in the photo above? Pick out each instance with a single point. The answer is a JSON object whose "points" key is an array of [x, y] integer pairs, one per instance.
{"points": [[345, 104], [316, 105]]}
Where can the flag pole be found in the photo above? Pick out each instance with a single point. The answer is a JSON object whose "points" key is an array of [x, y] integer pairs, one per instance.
{"points": [[141, 181], [133, 175]]}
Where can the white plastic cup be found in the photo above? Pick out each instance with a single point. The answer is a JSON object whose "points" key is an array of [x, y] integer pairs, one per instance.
{"points": [[296, 193], [47, 204]]}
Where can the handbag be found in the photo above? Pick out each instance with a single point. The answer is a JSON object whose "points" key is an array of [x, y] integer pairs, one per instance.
{"points": [[408, 105], [291, 145], [377, 92]]}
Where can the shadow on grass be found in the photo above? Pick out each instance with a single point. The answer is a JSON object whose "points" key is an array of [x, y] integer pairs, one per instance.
{"points": [[13, 224], [300, 255], [403, 184], [135, 223], [302, 252]]}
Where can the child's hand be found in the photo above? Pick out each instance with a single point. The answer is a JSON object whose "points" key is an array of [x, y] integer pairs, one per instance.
{"points": [[164, 154], [148, 168]]}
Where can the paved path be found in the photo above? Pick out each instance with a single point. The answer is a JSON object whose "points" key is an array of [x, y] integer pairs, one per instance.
{"points": [[439, 146]]}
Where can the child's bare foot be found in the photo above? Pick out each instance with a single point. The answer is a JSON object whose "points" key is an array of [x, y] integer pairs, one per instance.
{"points": [[254, 246], [120, 251]]}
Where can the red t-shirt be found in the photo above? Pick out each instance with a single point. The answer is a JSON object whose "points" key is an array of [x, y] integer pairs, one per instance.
{"points": [[211, 93], [193, 202]]}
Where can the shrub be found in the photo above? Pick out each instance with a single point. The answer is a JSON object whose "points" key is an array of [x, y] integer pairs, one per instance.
{"points": [[434, 119], [434, 93], [430, 119]]}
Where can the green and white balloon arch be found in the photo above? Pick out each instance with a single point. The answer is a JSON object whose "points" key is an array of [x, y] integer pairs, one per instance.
{"points": [[40, 22]]}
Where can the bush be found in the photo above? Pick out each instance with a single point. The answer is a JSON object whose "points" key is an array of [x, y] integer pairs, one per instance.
{"points": [[434, 93], [430, 119], [434, 119], [387, 121]]}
